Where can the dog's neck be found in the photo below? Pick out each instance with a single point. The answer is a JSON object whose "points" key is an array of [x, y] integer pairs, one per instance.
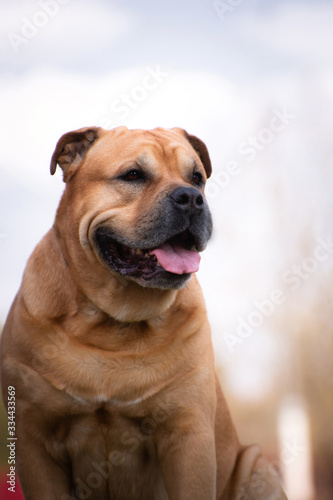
{"points": [[131, 303], [120, 299]]}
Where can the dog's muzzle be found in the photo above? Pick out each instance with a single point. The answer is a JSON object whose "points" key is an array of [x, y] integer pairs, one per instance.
{"points": [[165, 251]]}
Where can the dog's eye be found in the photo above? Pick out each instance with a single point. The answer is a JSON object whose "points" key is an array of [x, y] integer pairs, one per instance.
{"points": [[133, 175], [197, 178]]}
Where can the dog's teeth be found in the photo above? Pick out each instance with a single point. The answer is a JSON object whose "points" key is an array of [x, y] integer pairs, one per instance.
{"points": [[139, 251]]}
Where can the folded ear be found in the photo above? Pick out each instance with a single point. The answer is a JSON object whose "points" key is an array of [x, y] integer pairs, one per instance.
{"points": [[72, 148], [200, 147]]}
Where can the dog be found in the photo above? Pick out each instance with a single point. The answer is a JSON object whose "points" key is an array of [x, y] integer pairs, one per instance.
{"points": [[107, 346]]}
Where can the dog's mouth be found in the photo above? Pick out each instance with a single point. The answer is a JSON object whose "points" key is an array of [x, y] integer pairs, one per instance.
{"points": [[177, 255]]}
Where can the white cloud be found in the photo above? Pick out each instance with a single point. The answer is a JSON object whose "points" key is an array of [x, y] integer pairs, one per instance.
{"points": [[43, 105], [294, 30], [62, 29]]}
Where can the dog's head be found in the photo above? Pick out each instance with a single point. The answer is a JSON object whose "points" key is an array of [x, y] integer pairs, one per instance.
{"points": [[135, 201]]}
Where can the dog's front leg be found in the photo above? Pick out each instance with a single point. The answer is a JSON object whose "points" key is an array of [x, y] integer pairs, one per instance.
{"points": [[41, 477], [188, 465]]}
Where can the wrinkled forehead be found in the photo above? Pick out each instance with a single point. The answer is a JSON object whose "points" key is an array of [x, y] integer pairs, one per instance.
{"points": [[148, 147], [158, 148]]}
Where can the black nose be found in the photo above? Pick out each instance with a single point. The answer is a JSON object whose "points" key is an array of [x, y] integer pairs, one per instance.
{"points": [[187, 199]]}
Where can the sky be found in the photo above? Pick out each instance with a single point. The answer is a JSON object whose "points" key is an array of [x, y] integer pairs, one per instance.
{"points": [[253, 79]]}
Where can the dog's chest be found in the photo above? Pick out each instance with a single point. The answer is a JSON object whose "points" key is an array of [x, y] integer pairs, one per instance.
{"points": [[112, 453]]}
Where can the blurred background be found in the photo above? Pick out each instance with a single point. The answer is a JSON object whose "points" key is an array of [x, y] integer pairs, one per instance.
{"points": [[254, 80]]}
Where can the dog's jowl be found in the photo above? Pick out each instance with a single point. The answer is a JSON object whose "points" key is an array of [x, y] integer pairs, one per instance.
{"points": [[107, 343]]}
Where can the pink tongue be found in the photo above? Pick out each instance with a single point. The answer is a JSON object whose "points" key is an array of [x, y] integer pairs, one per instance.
{"points": [[177, 260]]}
